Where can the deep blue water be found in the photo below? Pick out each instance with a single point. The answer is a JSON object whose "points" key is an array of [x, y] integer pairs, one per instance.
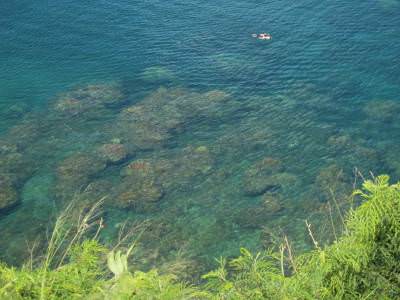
{"points": [[324, 91]]}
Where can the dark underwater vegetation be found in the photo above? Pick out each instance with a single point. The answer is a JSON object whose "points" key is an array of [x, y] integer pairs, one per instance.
{"points": [[197, 139]]}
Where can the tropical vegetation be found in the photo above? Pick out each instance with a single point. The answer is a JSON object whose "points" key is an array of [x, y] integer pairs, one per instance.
{"points": [[363, 263]]}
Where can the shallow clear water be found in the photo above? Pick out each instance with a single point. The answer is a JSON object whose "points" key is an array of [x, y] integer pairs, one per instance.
{"points": [[229, 139]]}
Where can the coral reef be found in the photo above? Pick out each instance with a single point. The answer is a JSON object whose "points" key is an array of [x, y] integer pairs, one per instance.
{"points": [[200, 164], [29, 131], [272, 203], [257, 216], [332, 183], [145, 181], [14, 165], [260, 178], [150, 123], [382, 110], [156, 119], [113, 153], [180, 170], [78, 167], [157, 74], [17, 110], [140, 188], [8, 194], [355, 152], [75, 172], [89, 101], [15, 169], [141, 196]]}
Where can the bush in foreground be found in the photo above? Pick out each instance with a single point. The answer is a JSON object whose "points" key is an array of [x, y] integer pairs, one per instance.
{"points": [[363, 264]]}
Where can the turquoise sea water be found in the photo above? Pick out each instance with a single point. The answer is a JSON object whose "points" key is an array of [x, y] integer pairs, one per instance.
{"points": [[217, 139]]}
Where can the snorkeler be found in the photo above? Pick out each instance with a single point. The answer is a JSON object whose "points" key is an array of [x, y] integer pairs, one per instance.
{"points": [[264, 36]]}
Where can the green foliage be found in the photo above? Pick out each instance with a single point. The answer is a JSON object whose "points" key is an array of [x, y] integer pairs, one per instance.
{"points": [[72, 269], [250, 277], [363, 264], [150, 285], [73, 280]]}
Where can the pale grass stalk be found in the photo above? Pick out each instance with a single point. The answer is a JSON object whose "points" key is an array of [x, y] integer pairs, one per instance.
{"points": [[99, 228], [60, 235], [290, 255], [31, 251], [124, 234], [338, 208], [355, 173], [312, 236], [55, 238], [282, 256], [84, 223], [332, 223]]}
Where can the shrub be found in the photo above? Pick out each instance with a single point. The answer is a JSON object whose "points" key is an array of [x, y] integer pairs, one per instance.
{"points": [[363, 264]]}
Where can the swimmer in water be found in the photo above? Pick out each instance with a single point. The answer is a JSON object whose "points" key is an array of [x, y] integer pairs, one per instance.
{"points": [[264, 36]]}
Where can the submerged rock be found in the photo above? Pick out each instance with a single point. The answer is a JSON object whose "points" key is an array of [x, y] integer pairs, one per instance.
{"points": [[75, 172], [29, 131], [229, 63], [389, 4], [332, 182], [8, 194], [140, 188], [139, 195], [150, 123], [258, 216], [113, 153], [165, 113], [14, 164], [157, 74], [17, 110], [95, 191], [140, 168], [79, 166], [89, 100], [146, 181], [15, 170], [206, 105], [260, 177], [251, 217], [181, 170], [288, 182], [272, 203], [340, 142], [382, 110], [355, 153], [69, 106]]}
